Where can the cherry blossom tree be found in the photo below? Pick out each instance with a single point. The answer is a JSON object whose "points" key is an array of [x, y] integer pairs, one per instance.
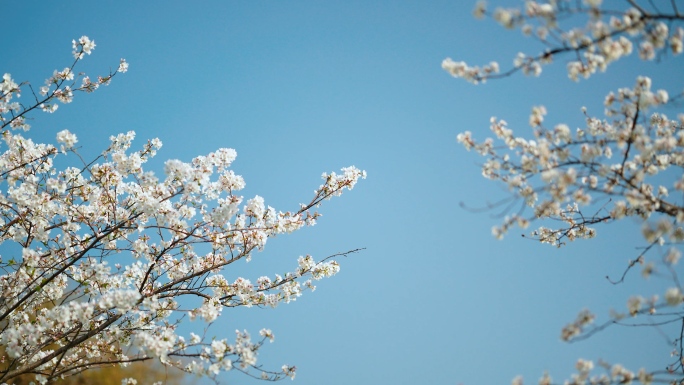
{"points": [[624, 163], [103, 260]]}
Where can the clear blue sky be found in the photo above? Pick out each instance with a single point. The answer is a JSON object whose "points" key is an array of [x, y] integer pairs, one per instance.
{"points": [[303, 87]]}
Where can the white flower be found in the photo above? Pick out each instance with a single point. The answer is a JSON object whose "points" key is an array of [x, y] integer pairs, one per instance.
{"points": [[480, 9], [66, 138], [267, 333], [673, 296], [218, 348], [255, 207], [634, 304], [88, 45], [123, 66]]}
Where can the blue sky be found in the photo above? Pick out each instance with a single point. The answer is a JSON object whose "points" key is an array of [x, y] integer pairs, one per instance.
{"points": [[303, 87]]}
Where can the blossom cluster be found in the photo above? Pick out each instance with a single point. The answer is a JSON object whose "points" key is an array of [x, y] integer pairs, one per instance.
{"points": [[613, 374], [101, 254], [623, 164], [573, 168], [59, 87], [607, 36]]}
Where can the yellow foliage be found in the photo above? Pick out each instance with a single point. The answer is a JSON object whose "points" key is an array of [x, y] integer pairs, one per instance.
{"points": [[146, 373]]}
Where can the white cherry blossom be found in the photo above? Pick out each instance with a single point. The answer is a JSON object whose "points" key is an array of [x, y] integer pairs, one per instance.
{"points": [[106, 250], [623, 163]]}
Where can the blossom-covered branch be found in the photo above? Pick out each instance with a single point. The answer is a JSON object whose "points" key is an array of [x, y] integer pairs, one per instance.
{"points": [[625, 162], [105, 259], [608, 35]]}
